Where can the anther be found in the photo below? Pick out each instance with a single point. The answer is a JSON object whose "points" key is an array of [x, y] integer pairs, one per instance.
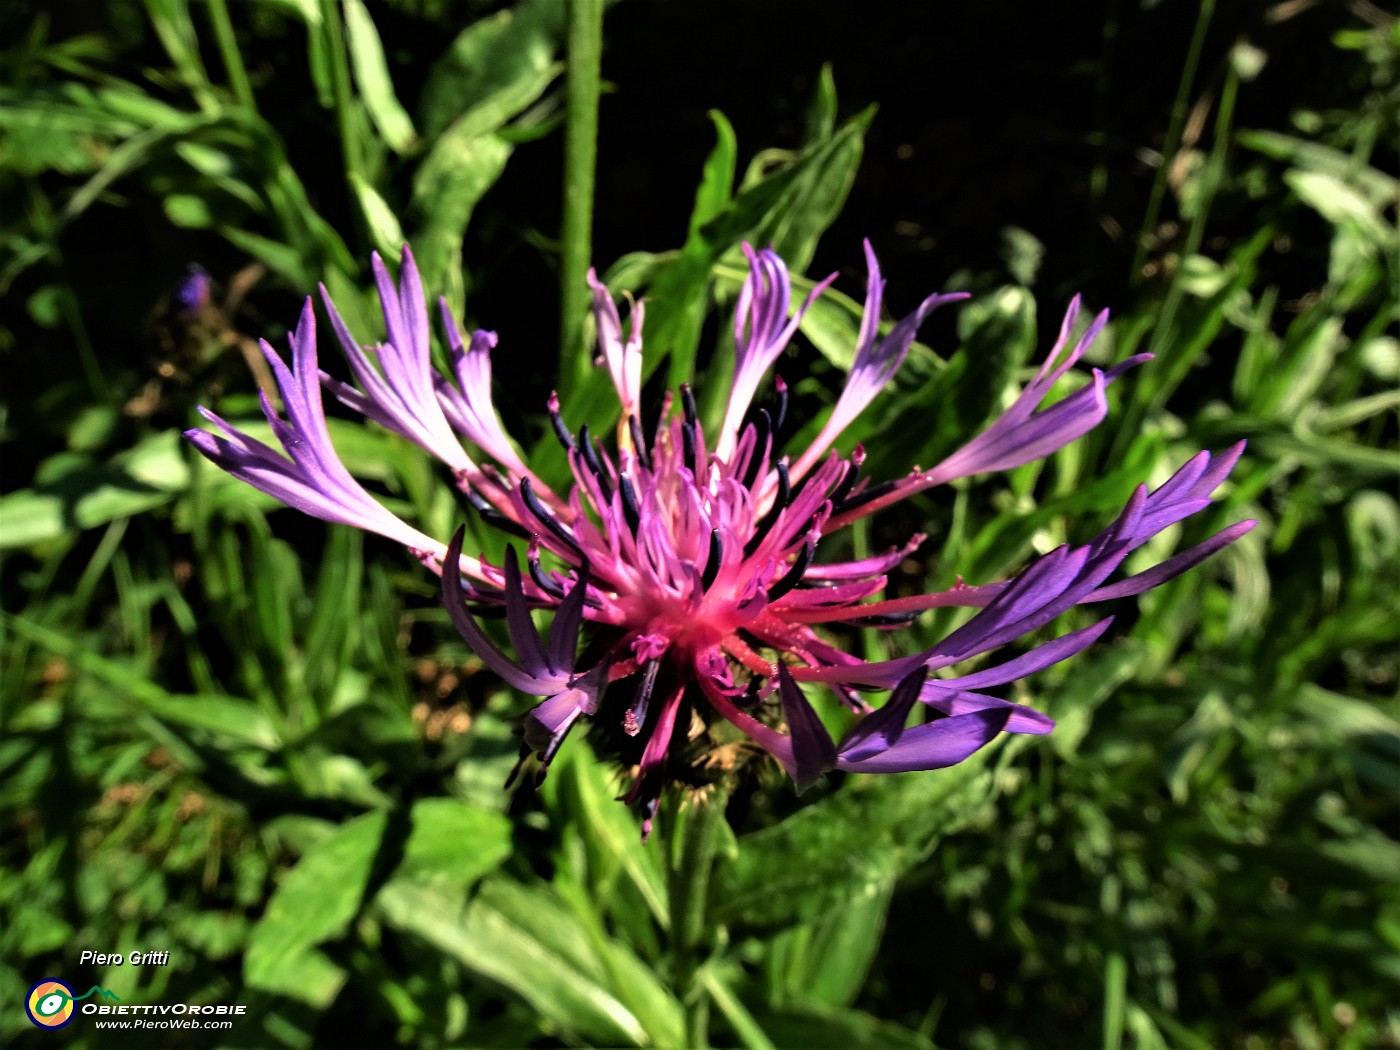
{"points": [[707, 578], [901, 619], [688, 404], [849, 478], [557, 421], [492, 516], [781, 413], [537, 573], [688, 445], [589, 451], [763, 430], [780, 502], [793, 576], [635, 717], [865, 496], [631, 510], [548, 520], [639, 439]]}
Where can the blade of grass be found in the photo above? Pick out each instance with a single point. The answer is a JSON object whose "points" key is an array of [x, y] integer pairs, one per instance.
{"points": [[582, 80], [228, 52], [1173, 139]]}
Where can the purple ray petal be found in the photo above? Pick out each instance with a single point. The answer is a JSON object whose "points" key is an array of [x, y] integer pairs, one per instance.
{"points": [[878, 731], [875, 363], [523, 635], [456, 602], [1172, 567], [933, 745], [762, 330], [1022, 719], [1039, 658], [812, 750], [563, 631]]}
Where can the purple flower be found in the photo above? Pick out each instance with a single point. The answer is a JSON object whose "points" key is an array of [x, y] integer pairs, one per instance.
{"points": [[192, 293], [693, 558]]}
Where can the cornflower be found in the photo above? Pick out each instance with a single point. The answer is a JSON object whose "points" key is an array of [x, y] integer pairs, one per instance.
{"points": [[692, 557]]}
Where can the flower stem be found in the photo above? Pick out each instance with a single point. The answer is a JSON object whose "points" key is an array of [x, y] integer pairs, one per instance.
{"points": [[343, 93], [583, 85], [228, 51], [692, 855], [1180, 108]]}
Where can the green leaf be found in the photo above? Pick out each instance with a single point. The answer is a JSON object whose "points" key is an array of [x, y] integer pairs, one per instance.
{"points": [[823, 963], [852, 844], [1322, 159], [316, 902], [453, 844], [788, 208], [526, 941], [1340, 204], [80, 494], [459, 169], [331, 632], [444, 844], [813, 200], [383, 224], [494, 68], [230, 717], [848, 1029], [188, 210], [717, 177], [821, 112], [281, 259], [372, 77], [612, 837]]}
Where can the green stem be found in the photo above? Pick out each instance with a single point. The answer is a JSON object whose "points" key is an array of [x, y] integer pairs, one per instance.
{"points": [[583, 85], [1165, 341], [41, 214], [1115, 980], [344, 97], [1180, 109], [692, 856], [228, 52], [750, 1033]]}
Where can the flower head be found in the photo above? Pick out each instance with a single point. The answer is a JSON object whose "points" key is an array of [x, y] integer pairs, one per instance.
{"points": [[694, 558]]}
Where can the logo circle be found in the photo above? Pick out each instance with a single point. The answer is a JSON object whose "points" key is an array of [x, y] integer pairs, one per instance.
{"points": [[49, 1003]]}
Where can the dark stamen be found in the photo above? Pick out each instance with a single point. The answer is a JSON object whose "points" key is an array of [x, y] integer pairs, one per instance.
{"points": [[688, 446], [630, 508], [750, 696], [532, 559], [784, 488], [494, 476], [688, 404], [560, 430], [780, 502], [547, 756], [793, 576], [707, 578], [639, 439], [589, 452], [548, 520], [847, 482], [492, 516], [763, 429], [515, 769], [863, 497], [636, 715], [781, 413], [887, 619]]}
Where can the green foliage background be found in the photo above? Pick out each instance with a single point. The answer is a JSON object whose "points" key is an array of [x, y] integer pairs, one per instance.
{"points": [[255, 741]]}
